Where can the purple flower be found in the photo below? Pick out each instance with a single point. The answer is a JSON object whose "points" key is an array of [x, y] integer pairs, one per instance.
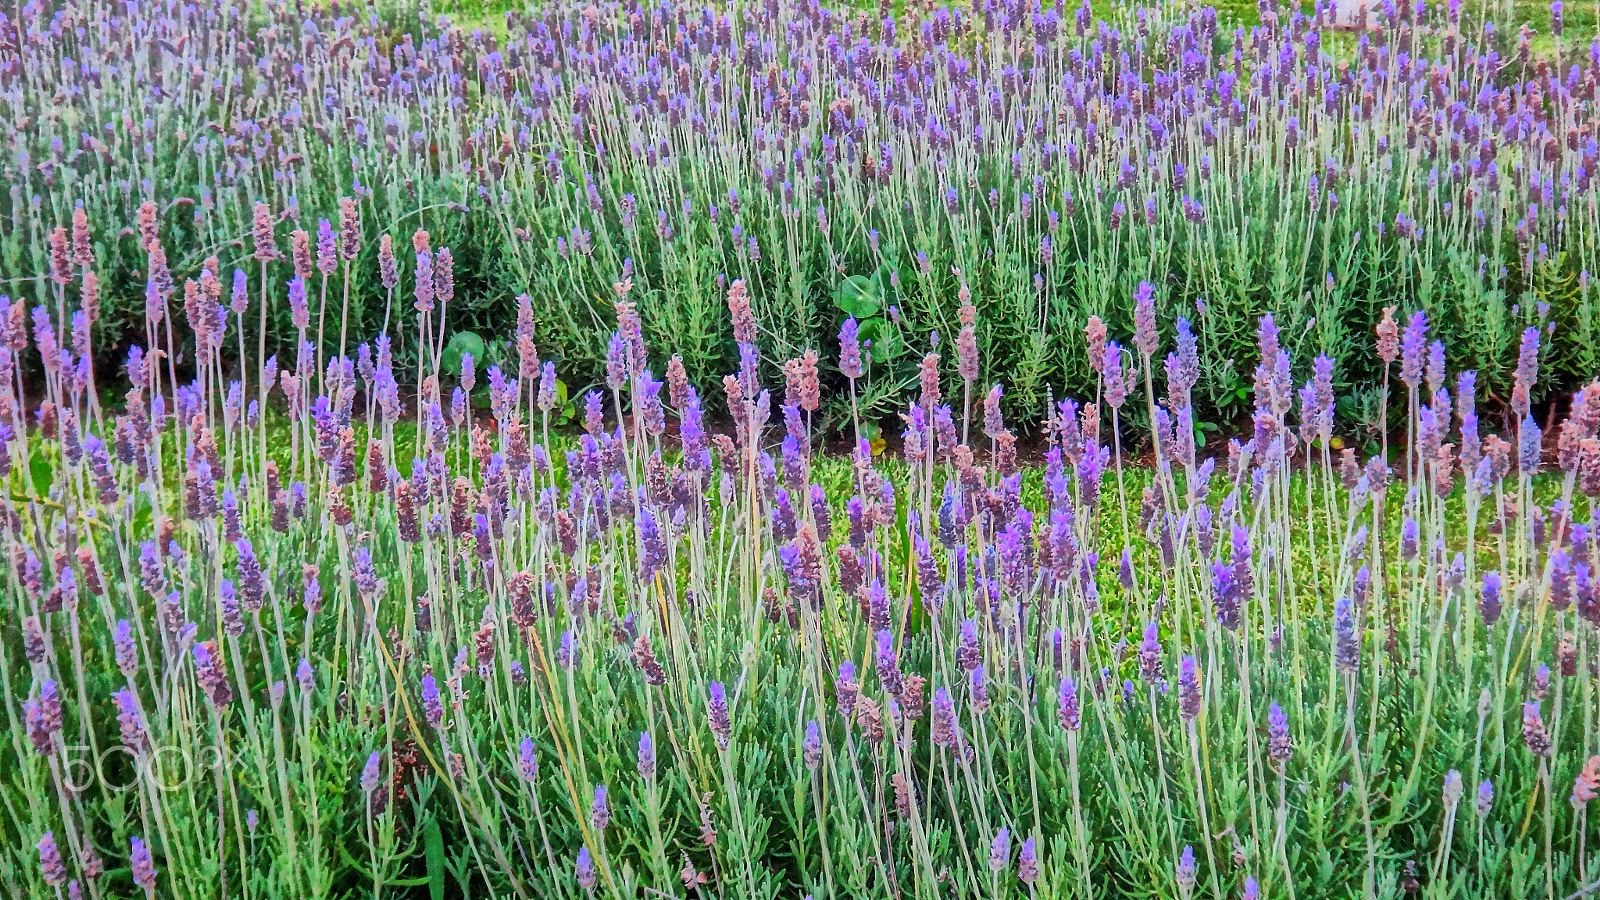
{"points": [[1322, 394], [239, 296], [1185, 872], [1280, 746], [1267, 338], [1346, 639], [567, 651], [130, 722], [717, 713], [424, 282], [1189, 688], [1527, 372], [652, 546], [811, 746], [444, 276], [1362, 587], [528, 761], [327, 245], [547, 387], [980, 690], [127, 651], [1533, 730], [944, 719], [846, 688], [1183, 370], [144, 868], [1067, 712], [371, 773], [696, 455], [1435, 367], [1116, 387], [585, 869], [503, 394], [888, 664], [1489, 600], [1225, 594], [647, 756], [1484, 802], [1028, 863], [312, 597], [51, 867], [1411, 347], [821, 514], [1530, 446], [228, 602], [252, 582], [432, 707], [968, 653], [1145, 338], [647, 400], [44, 717], [208, 670], [1150, 655], [600, 809], [299, 311], [993, 421], [1000, 850]]}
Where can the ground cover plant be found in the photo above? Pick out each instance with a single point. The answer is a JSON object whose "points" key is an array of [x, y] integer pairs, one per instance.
{"points": [[324, 580]]}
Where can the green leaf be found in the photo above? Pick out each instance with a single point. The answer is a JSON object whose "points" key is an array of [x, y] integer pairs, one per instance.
{"points": [[885, 277], [859, 296], [41, 468], [885, 343], [463, 342], [433, 851]]}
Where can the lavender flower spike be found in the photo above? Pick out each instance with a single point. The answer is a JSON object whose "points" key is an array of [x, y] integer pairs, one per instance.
{"points": [[1000, 850], [51, 868], [717, 712], [1145, 339], [144, 869], [585, 869], [646, 764], [1280, 746]]}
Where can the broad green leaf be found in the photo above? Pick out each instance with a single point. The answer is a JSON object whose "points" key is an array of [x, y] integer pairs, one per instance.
{"points": [[463, 342], [859, 296]]}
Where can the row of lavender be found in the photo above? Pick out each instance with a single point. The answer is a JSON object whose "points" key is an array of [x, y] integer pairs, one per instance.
{"points": [[279, 630], [841, 161]]}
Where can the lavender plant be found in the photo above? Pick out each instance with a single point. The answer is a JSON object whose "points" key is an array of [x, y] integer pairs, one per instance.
{"points": [[837, 161], [277, 629]]}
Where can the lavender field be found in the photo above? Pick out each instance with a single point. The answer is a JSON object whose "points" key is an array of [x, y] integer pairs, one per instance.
{"points": [[783, 451]]}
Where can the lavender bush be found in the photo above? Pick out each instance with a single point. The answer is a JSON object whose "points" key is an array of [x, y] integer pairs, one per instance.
{"points": [[282, 630], [839, 162]]}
